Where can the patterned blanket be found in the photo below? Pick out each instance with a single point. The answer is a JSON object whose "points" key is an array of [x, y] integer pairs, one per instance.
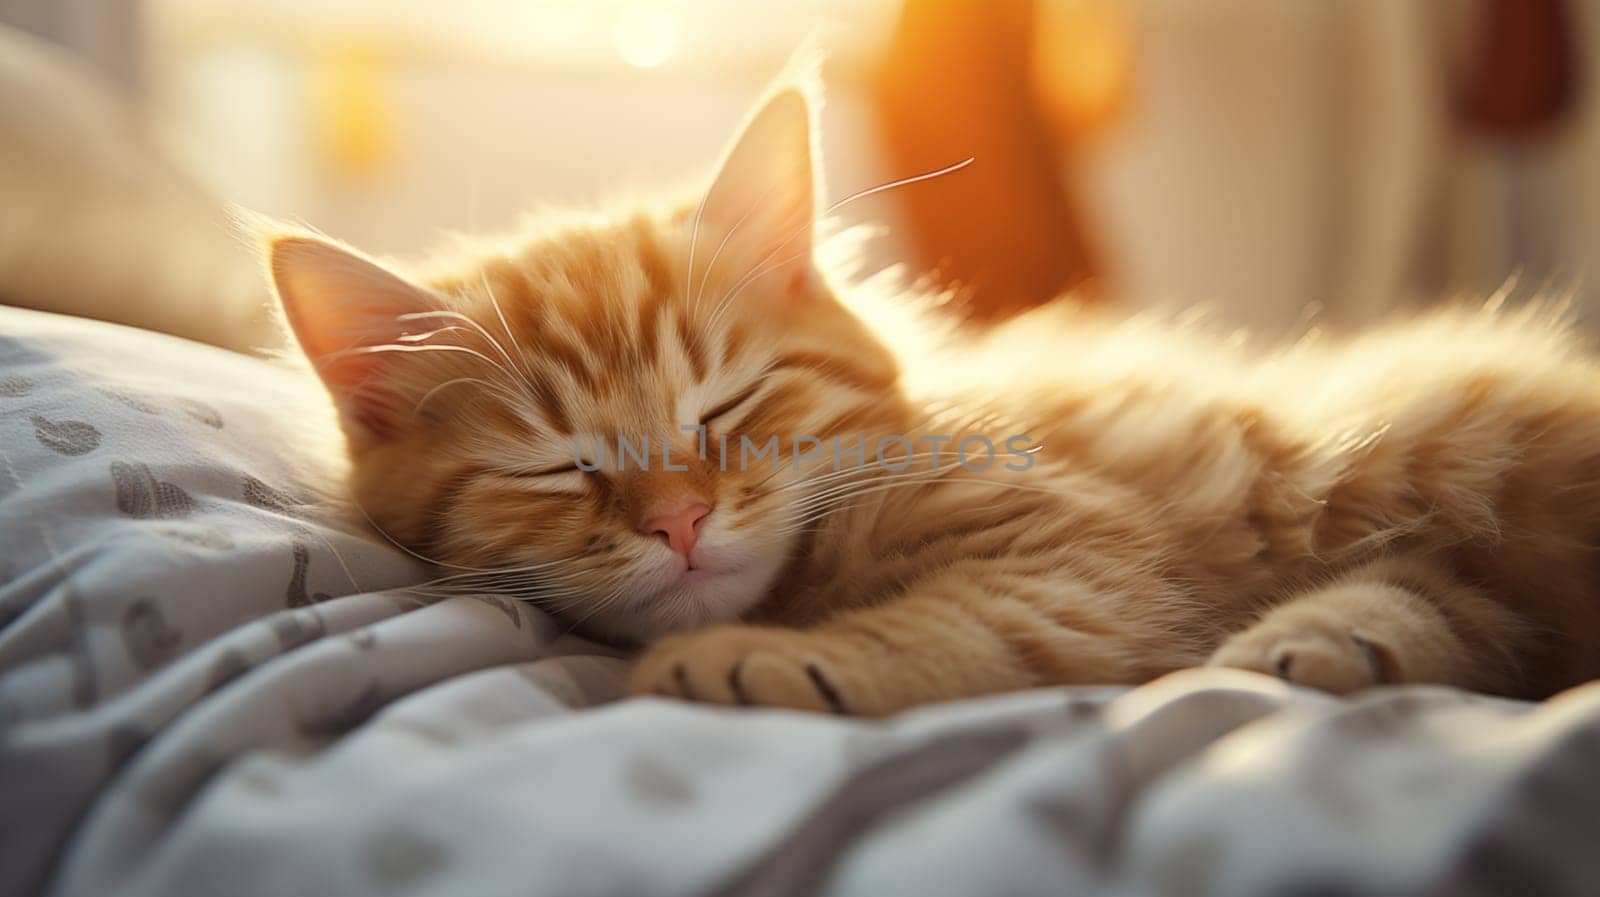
{"points": [[206, 689]]}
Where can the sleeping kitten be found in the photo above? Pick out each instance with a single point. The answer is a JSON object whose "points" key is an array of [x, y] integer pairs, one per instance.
{"points": [[1418, 505]]}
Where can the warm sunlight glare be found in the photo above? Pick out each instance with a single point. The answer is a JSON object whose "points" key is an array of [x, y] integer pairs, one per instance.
{"points": [[645, 35], [554, 26], [1084, 60]]}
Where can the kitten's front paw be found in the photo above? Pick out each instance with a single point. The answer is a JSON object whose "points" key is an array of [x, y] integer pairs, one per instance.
{"points": [[1328, 657], [747, 666]]}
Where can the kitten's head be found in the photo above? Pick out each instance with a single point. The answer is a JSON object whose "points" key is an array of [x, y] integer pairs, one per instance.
{"points": [[468, 399]]}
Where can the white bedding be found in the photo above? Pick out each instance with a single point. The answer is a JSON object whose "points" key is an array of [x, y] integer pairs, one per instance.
{"points": [[205, 689]]}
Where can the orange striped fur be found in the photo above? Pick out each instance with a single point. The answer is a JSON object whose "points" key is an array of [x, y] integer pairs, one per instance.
{"points": [[1419, 504]]}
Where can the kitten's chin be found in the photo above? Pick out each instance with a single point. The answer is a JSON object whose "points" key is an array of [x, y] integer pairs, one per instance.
{"points": [[691, 599]]}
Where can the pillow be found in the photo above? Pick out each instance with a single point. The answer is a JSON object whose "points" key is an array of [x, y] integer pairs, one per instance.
{"points": [[98, 222], [170, 599], [147, 465]]}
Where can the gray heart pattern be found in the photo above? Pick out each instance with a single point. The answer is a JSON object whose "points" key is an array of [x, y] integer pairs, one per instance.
{"points": [[406, 600], [68, 437], [146, 635], [297, 580], [132, 400], [85, 685], [267, 497], [504, 605], [299, 628], [343, 719], [140, 494], [194, 408], [397, 857], [259, 781], [201, 412], [657, 785], [228, 666], [212, 538]]}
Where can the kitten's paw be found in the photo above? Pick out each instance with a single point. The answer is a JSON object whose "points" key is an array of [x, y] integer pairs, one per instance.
{"points": [[1332, 658], [746, 666]]}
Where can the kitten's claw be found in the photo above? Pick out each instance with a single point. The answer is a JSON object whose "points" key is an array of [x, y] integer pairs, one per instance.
{"points": [[750, 666], [1331, 659]]}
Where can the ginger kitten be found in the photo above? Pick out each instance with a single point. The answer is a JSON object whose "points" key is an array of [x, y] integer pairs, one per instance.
{"points": [[1417, 505]]}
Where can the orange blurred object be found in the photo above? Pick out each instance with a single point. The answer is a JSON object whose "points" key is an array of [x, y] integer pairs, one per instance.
{"points": [[1008, 231], [353, 109], [1084, 61]]}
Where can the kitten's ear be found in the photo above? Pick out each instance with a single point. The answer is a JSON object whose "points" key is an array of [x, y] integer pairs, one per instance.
{"points": [[760, 210], [341, 305]]}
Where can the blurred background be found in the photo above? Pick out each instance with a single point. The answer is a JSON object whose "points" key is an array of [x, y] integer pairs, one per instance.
{"points": [[1281, 164]]}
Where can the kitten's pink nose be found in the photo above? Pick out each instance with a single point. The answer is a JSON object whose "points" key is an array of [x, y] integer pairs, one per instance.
{"points": [[679, 523]]}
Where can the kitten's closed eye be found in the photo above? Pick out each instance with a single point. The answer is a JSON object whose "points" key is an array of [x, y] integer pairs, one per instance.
{"points": [[546, 472], [731, 404]]}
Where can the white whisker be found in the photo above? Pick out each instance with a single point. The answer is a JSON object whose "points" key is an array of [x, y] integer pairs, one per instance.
{"points": [[755, 273], [501, 314], [468, 322], [925, 176], [373, 350], [441, 387], [422, 337], [808, 223], [396, 543], [706, 277], [694, 239]]}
